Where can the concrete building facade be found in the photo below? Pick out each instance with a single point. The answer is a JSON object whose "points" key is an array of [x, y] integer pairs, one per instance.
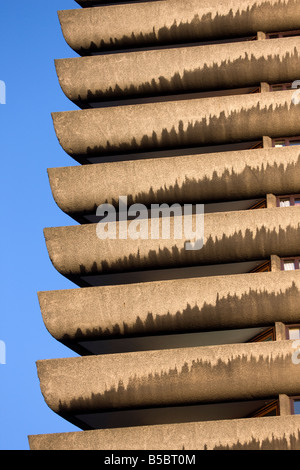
{"points": [[179, 103]]}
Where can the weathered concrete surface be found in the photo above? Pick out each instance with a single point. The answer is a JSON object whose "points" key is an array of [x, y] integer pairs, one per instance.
{"points": [[228, 237], [175, 124], [181, 376], [178, 70], [173, 21], [271, 433], [183, 305], [185, 179]]}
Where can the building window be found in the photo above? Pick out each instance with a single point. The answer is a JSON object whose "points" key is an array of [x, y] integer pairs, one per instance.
{"points": [[254, 90], [289, 200], [263, 268], [283, 34], [281, 86], [259, 205], [290, 264], [267, 335], [286, 141], [272, 409], [295, 405], [293, 331], [257, 145]]}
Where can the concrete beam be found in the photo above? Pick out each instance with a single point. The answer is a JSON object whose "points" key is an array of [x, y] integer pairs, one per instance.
{"points": [[177, 70], [173, 306], [222, 176], [172, 22], [176, 124], [170, 377], [228, 237], [270, 433]]}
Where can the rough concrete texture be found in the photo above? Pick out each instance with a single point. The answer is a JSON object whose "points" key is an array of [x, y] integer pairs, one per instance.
{"points": [[178, 70], [186, 179], [174, 306], [271, 433], [176, 124], [228, 237], [181, 376], [173, 21]]}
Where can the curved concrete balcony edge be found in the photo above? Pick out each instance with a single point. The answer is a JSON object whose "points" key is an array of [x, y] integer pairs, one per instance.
{"points": [[269, 433], [178, 70], [228, 237], [171, 377], [175, 306], [173, 22], [222, 176], [176, 124]]}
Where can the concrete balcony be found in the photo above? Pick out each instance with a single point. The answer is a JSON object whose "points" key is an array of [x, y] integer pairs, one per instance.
{"points": [[270, 433], [224, 176], [175, 306], [173, 22], [176, 124], [77, 251], [88, 80], [174, 377]]}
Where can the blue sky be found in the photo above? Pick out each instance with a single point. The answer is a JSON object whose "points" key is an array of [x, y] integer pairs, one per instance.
{"points": [[31, 39]]}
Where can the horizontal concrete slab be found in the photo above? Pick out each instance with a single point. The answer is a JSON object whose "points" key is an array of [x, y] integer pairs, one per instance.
{"points": [[223, 176], [177, 70], [173, 22], [182, 376], [177, 306], [228, 237], [270, 433], [176, 124]]}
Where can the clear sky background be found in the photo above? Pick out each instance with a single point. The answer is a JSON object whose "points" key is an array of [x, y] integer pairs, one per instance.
{"points": [[30, 40]]}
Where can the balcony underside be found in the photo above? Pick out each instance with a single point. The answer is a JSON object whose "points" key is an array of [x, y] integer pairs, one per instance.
{"points": [[96, 3], [145, 24], [90, 3]]}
